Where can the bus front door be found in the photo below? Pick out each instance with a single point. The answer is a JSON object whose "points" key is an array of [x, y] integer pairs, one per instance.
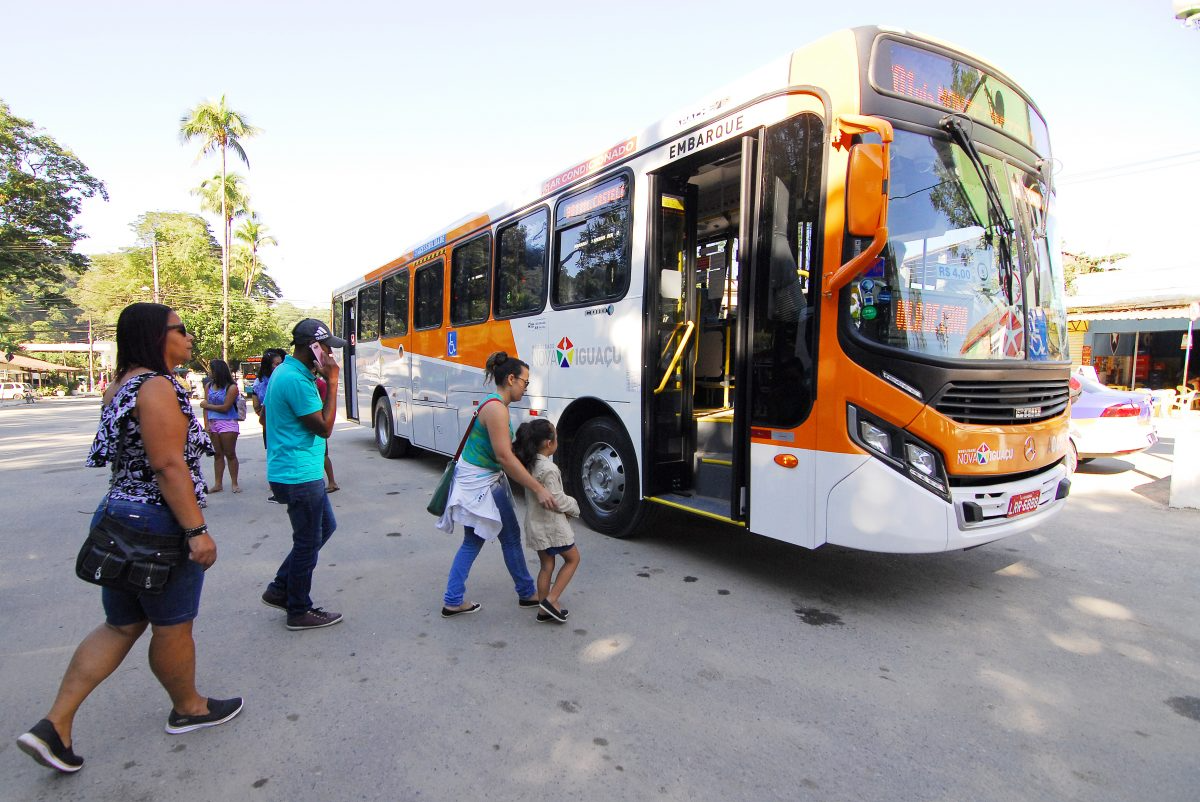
{"points": [[693, 457]]}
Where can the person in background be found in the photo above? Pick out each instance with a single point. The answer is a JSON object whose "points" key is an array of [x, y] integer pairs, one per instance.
{"points": [[480, 497], [298, 423], [221, 420], [271, 359], [151, 437]]}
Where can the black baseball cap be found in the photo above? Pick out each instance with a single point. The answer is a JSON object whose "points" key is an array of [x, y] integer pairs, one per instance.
{"points": [[314, 331]]}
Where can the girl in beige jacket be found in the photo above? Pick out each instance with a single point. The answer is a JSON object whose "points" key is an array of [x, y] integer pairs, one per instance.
{"points": [[547, 531]]}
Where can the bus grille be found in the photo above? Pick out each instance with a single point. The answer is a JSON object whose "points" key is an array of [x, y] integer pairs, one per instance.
{"points": [[1006, 403]]}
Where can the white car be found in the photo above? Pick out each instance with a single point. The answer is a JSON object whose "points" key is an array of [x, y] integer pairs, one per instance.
{"points": [[1107, 422], [14, 390]]}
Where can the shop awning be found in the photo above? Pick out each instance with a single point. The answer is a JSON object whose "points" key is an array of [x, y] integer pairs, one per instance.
{"points": [[1157, 313], [29, 363]]}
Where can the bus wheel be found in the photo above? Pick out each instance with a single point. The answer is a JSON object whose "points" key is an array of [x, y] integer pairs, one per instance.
{"points": [[389, 445], [605, 476], [1072, 459]]}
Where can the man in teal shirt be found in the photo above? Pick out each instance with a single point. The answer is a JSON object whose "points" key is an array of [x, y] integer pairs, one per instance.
{"points": [[298, 423]]}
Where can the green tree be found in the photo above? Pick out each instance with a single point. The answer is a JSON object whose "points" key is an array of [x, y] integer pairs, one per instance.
{"points": [[254, 234], [188, 257], [219, 128], [42, 186]]}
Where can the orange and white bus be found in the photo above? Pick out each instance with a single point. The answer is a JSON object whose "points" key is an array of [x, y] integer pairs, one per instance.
{"points": [[824, 304]]}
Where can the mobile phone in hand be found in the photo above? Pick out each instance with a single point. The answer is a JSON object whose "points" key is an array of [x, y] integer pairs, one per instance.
{"points": [[319, 353]]}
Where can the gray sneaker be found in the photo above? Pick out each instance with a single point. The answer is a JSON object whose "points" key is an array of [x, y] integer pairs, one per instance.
{"points": [[313, 619]]}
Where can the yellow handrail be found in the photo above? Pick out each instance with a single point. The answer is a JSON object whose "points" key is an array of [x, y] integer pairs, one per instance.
{"points": [[675, 359]]}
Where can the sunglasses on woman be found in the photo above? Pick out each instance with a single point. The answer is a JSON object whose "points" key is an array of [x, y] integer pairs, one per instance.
{"points": [[179, 327]]}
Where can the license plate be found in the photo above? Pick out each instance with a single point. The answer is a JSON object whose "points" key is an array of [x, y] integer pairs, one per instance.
{"points": [[1023, 503]]}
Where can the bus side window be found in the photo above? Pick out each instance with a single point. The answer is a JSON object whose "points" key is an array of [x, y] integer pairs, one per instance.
{"points": [[337, 318], [395, 305], [521, 266], [427, 297], [592, 245], [368, 314], [470, 266]]}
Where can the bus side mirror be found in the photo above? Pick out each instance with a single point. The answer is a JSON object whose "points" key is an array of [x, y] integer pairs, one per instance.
{"points": [[866, 190]]}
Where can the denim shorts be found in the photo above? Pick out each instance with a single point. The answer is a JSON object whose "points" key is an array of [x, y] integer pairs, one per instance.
{"points": [[554, 551], [180, 599]]}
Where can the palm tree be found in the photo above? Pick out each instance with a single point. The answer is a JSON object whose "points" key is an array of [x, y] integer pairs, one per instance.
{"points": [[253, 232], [234, 203], [218, 127]]}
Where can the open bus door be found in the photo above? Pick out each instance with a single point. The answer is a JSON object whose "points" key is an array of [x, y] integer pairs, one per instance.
{"points": [[695, 458], [348, 376]]}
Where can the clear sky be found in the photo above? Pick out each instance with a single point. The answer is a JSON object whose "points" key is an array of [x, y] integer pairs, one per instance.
{"points": [[382, 122]]}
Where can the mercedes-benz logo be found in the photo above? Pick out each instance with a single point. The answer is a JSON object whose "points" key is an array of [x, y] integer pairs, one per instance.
{"points": [[1030, 450]]}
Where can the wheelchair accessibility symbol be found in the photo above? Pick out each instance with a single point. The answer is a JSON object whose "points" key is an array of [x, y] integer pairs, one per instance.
{"points": [[452, 343]]}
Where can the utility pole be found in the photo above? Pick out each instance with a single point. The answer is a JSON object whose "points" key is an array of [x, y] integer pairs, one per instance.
{"points": [[91, 364], [154, 261]]}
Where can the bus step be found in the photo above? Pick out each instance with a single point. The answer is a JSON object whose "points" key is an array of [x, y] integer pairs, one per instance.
{"points": [[707, 506], [714, 434], [714, 475]]}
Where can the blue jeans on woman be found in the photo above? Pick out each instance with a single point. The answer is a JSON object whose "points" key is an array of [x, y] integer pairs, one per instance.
{"points": [[180, 598], [510, 545]]}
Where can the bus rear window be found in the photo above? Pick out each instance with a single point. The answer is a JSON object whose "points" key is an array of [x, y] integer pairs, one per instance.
{"points": [[591, 245]]}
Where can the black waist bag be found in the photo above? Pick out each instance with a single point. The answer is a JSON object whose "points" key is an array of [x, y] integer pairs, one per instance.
{"points": [[117, 556]]}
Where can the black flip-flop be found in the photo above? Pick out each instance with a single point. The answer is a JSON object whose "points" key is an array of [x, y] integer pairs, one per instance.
{"points": [[448, 613]]}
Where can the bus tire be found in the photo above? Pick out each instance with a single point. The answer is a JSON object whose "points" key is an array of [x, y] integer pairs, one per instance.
{"points": [[604, 475], [390, 446]]}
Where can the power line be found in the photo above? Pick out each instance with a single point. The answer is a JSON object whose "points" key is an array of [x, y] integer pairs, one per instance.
{"points": [[1132, 168]]}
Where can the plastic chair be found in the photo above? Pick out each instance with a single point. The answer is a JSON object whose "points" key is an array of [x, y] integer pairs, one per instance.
{"points": [[1183, 401]]}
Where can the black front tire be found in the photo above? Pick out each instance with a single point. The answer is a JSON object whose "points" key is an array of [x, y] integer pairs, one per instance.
{"points": [[390, 446], [604, 476]]}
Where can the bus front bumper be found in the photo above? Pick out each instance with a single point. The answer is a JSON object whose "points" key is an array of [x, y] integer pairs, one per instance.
{"points": [[877, 509]]}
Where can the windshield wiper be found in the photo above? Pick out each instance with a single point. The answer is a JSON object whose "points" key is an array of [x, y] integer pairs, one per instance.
{"points": [[953, 124]]}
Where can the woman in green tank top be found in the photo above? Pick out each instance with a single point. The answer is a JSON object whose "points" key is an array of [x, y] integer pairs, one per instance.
{"points": [[480, 498]]}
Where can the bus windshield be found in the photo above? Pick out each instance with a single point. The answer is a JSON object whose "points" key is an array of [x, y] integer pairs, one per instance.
{"points": [[961, 278]]}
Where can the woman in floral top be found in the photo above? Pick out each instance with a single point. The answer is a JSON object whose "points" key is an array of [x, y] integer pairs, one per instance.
{"points": [[150, 435]]}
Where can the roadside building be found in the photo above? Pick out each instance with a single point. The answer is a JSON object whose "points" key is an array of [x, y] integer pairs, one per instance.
{"points": [[1134, 326]]}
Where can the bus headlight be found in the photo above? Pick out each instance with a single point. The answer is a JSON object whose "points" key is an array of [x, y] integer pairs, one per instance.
{"points": [[921, 459], [875, 438], [899, 450]]}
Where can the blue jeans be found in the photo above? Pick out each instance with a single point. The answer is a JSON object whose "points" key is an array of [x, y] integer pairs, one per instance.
{"points": [[313, 523], [510, 545], [180, 599]]}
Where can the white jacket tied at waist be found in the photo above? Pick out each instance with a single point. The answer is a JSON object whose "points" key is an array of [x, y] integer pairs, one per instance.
{"points": [[471, 503]]}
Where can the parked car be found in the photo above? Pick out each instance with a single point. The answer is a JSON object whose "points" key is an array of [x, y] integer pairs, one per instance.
{"points": [[17, 390], [1107, 422]]}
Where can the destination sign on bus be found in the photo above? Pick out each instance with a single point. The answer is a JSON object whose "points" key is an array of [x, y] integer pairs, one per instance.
{"points": [[594, 200], [912, 72], [915, 316]]}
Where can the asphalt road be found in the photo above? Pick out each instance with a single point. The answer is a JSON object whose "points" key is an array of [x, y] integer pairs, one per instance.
{"points": [[699, 663]]}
